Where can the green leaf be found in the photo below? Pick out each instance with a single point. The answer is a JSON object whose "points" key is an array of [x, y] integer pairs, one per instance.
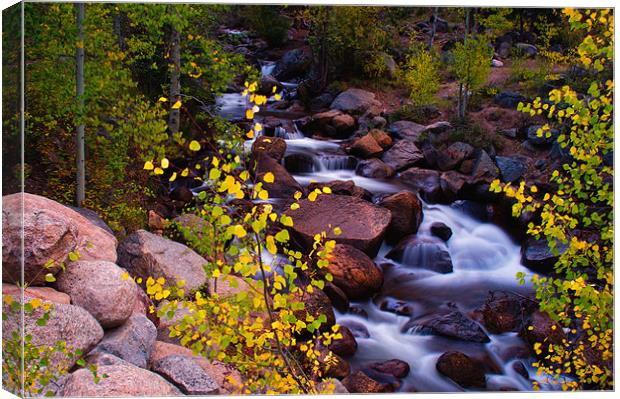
{"points": [[49, 277], [282, 236]]}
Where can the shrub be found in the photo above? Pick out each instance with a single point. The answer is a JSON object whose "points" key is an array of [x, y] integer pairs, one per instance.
{"points": [[420, 73]]}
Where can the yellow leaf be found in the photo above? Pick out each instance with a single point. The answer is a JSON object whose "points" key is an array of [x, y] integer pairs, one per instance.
{"points": [[177, 105], [277, 97], [173, 177], [240, 231], [249, 114], [165, 163], [263, 194], [250, 134], [162, 99], [148, 165], [312, 196], [268, 178], [297, 195], [258, 127], [295, 206], [194, 145], [158, 171], [337, 231], [286, 220], [35, 302], [185, 172], [125, 276]]}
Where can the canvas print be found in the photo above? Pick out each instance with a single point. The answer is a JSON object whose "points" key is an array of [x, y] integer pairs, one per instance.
{"points": [[228, 199]]}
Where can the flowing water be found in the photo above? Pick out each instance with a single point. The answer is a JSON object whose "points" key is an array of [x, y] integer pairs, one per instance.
{"points": [[484, 258]]}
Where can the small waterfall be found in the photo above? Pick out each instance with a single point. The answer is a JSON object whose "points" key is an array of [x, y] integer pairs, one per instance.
{"points": [[267, 68], [286, 135], [334, 162]]}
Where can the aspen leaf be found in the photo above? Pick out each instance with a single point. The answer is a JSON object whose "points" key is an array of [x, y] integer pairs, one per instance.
{"points": [[148, 165], [268, 178], [176, 105], [158, 171], [173, 177], [165, 163], [194, 145], [162, 99]]}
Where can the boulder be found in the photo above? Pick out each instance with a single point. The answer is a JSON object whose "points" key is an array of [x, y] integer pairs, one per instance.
{"points": [[133, 341], [511, 169], [537, 255], [317, 303], [294, 63], [331, 386], [93, 217], [395, 367], [355, 101], [528, 49], [382, 138], [122, 380], [461, 369], [451, 183], [186, 374], [374, 168], [505, 311], [425, 181], [45, 293], [532, 136], [437, 127], [406, 211], [67, 323], [332, 365], [401, 308], [402, 155], [543, 330], [358, 330], [332, 123], [50, 231], [365, 147], [344, 124], [484, 168], [406, 130], [345, 346], [509, 99], [448, 323], [147, 255], [452, 157], [363, 224], [423, 252], [99, 287], [361, 382], [441, 230], [266, 85], [274, 147], [342, 187], [284, 185], [354, 272]]}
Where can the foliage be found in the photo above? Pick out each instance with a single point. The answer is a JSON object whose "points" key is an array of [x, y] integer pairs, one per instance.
{"points": [[472, 63], [495, 20], [268, 22], [252, 314], [420, 73], [579, 214]]}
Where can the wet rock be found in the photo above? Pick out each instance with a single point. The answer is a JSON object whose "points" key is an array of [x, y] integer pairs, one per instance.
{"points": [[510, 133], [382, 138], [294, 63], [509, 99], [336, 296], [426, 181], [133, 341], [357, 329], [406, 211], [342, 187], [331, 386], [186, 374], [543, 330], [321, 102], [532, 136], [274, 147], [484, 167], [511, 169], [266, 85], [360, 382], [317, 303], [122, 380], [332, 123], [49, 231], [537, 255], [284, 185], [452, 182], [354, 272], [520, 369], [423, 252], [182, 195], [299, 163], [452, 157], [441, 230], [345, 346], [365, 147], [147, 255], [461, 369], [394, 367], [45, 293], [344, 124], [504, 311], [355, 101], [99, 287], [448, 323], [402, 155], [374, 168], [406, 130], [67, 323], [400, 308], [332, 365], [363, 224]]}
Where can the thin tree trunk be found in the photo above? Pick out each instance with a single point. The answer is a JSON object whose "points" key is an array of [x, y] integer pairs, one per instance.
{"points": [[79, 94], [174, 119], [463, 88], [434, 29]]}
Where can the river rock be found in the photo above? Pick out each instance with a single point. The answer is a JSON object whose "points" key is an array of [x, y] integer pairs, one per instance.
{"points": [[484, 168], [332, 123], [99, 287], [461, 369], [345, 346], [355, 101], [331, 386], [317, 303], [543, 330], [532, 136], [354, 272], [45, 293], [426, 181], [147, 255], [274, 147], [452, 182], [403, 154], [537, 255], [294, 63], [186, 374], [284, 185], [448, 323], [50, 231], [423, 252], [511, 169], [363, 224], [366, 147], [361, 382], [358, 330], [406, 215], [67, 323], [375, 169], [133, 341], [406, 130], [266, 85], [344, 124], [342, 187], [505, 311], [382, 138], [122, 380], [509, 99], [394, 367], [332, 365], [441, 230], [452, 157]]}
